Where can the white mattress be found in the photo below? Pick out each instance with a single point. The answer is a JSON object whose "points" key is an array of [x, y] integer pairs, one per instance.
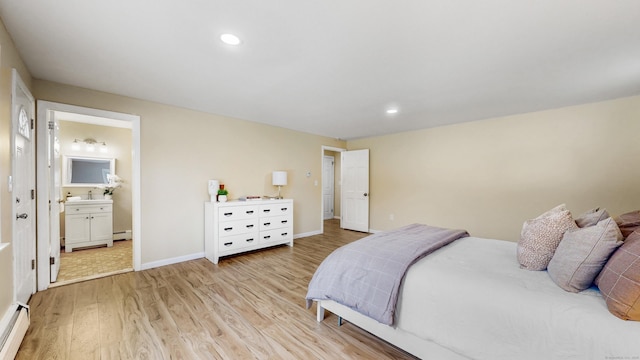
{"points": [[472, 298]]}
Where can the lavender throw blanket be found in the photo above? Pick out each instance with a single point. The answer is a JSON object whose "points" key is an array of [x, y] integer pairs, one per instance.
{"points": [[365, 275]]}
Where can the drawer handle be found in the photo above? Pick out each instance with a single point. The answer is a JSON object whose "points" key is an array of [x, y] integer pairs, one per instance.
{"points": [[284, 221], [250, 212], [284, 234], [283, 209], [228, 214], [228, 229], [267, 237], [250, 240], [266, 210], [228, 243], [249, 226], [267, 224]]}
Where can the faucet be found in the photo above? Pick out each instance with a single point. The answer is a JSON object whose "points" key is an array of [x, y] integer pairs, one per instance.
{"points": [[90, 196]]}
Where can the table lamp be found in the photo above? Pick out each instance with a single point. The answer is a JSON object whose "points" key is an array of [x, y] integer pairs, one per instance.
{"points": [[279, 179]]}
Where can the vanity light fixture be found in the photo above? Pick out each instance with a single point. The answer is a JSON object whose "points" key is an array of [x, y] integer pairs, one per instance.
{"points": [[230, 39], [90, 145]]}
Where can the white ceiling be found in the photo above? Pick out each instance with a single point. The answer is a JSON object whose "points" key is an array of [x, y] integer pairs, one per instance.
{"points": [[333, 67]]}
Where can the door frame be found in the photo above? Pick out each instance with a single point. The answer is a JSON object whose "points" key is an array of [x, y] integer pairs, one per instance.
{"points": [[45, 108], [322, 150]]}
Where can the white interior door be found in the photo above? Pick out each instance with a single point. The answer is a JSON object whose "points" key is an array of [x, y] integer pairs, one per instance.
{"points": [[23, 190], [55, 194], [328, 192], [355, 190]]}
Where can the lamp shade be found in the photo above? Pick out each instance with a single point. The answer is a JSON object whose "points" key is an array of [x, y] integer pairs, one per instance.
{"points": [[279, 178]]}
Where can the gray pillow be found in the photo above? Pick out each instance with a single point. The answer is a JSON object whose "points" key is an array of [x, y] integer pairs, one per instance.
{"points": [[582, 254], [591, 217], [540, 237]]}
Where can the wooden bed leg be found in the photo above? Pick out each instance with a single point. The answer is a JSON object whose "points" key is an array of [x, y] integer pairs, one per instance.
{"points": [[320, 312]]}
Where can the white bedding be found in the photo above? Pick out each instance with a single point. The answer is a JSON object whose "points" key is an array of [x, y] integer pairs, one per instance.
{"points": [[472, 298]]}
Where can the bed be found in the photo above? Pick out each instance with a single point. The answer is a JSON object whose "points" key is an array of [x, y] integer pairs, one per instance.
{"points": [[471, 300]]}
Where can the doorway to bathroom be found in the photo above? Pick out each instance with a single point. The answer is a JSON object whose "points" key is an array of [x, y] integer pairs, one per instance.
{"points": [[95, 217], [90, 224]]}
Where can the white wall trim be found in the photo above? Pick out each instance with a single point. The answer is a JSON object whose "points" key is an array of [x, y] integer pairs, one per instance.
{"points": [[322, 150], [310, 233], [175, 260], [44, 107]]}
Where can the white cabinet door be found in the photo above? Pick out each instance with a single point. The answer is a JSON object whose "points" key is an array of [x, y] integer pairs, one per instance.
{"points": [[77, 228], [101, 225]]}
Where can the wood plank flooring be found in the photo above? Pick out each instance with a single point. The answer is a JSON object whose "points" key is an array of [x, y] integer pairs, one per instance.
{"points": [[249, 306]]}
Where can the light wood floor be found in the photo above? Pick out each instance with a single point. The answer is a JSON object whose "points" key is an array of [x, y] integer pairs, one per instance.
{"points": [[247, 307]]}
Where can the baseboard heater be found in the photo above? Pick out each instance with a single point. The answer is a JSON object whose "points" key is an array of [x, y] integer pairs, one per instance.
{"points": [[122, 235], [14, 332]]}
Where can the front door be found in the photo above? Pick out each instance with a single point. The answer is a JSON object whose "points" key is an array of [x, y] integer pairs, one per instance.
{"points": [[23, 190], [355, 190]]}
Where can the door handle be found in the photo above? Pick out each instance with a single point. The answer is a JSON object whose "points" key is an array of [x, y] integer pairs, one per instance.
{"points": [[22, 216]]}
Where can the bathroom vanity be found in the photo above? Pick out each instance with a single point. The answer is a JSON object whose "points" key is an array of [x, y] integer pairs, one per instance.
{"points": [[88, 223]]}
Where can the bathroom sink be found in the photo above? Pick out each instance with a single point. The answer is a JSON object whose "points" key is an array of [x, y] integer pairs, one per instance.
{"points": [[85, 201]]}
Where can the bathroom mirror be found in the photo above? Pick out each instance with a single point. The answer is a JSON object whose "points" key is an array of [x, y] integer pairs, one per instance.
{"points": [[86, 171]]}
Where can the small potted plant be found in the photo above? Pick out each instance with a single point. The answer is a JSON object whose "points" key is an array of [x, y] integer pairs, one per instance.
{"points": [[114, 182], [222, 194]]}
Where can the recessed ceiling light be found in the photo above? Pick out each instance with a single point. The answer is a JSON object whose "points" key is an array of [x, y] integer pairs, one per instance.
{"points": [[230, 39], [392, 111]]}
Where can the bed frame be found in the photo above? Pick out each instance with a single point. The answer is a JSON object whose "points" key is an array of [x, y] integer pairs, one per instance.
{"points": [[406, 341]]}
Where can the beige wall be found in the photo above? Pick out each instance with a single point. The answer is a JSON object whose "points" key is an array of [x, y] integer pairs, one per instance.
{"points": [[119, 144], [489, 176], [9, 58], [181, 149]]}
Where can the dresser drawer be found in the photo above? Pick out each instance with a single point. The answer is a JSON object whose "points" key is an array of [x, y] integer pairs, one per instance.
{"points": [[231, 243], [275, 222], [276, 236], [275, 210], [83, 209], [229, 213], [230, 228]]}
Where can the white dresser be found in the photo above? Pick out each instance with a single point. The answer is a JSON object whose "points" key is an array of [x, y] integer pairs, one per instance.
{"points": [[237, 226], [88, 223]]}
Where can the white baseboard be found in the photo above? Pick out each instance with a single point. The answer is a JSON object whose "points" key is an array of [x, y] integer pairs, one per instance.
{"points": [[310, 233], [175, 260], [179, 259]]}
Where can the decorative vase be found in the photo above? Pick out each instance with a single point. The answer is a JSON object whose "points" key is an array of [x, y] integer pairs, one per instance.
{"points": [[107, 196], [222, 198]]}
